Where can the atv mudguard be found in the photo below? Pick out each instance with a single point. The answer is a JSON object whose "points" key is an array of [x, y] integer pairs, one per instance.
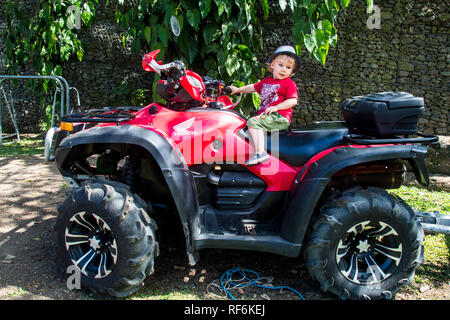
{"points": [[315, 176], [162, 149]]}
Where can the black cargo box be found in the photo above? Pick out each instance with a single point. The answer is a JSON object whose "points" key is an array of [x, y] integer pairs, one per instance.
{"points": [[383, 114]]}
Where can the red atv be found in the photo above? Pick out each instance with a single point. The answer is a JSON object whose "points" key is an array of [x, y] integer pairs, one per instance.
{"points": [[321, 194]]}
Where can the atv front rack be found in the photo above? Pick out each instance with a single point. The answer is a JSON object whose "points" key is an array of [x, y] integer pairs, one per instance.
{"points": [[367, 140], [107, 114]]}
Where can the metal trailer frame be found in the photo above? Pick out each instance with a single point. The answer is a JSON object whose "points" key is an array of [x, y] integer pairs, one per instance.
{"points": [[434, 222]]}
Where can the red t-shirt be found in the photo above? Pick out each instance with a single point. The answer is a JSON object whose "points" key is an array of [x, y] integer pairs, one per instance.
{"points": [[274, 91]]}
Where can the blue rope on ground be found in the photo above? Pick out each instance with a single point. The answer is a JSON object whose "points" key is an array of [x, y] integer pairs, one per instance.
{"points": [[229, 274]]}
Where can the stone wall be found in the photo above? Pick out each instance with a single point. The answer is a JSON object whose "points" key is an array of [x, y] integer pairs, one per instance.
{"points": [[409, 53]]}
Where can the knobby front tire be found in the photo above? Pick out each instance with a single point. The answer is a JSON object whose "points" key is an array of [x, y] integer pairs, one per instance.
{"points": [[106, 232]]}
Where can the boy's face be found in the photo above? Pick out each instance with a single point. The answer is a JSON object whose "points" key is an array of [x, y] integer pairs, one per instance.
{"points": [[282, 67]]}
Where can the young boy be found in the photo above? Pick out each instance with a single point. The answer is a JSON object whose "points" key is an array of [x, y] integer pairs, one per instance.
{"points": [[278, 96]]}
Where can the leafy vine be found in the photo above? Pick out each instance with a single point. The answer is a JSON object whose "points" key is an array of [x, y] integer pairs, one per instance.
{"points": [[218, 38], [44, 42]]}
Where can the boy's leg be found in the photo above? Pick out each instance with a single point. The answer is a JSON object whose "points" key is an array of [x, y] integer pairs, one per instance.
{"points": [[257, 126], [257, 137]]}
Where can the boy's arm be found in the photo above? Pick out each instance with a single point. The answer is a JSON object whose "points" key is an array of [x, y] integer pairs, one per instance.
{"points": [[286, 104], [246, 89]]}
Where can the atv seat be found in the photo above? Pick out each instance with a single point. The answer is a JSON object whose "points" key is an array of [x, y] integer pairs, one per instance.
{"points": [[297, 146]]}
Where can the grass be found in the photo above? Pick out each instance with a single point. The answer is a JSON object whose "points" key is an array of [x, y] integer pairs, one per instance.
{"points": [[151, 293], [425, 200], [435, 269], [18, 292], [28, 145]]}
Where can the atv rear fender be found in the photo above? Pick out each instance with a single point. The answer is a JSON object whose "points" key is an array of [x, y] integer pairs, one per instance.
{"points": [[313, 179], [166, 155]]}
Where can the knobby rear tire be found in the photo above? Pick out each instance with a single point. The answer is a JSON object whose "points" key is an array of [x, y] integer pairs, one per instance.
{"points": [[364, 229], [106, 232]]}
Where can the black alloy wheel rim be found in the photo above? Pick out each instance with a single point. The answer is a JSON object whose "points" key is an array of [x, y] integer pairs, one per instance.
{"points": [[91, 245], [369, 252]]}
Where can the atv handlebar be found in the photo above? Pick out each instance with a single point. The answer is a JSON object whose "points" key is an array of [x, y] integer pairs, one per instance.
{"points": [[227, 90], [200, 89]]}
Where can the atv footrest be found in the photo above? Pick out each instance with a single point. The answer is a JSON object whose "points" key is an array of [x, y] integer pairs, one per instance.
{"points": [[272, 244]]}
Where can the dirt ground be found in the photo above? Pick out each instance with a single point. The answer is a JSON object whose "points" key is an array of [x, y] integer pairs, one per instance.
{"points": [[30, 191]]}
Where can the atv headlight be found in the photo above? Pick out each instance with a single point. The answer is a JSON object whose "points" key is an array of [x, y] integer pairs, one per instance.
{"points": [[194, 82]]}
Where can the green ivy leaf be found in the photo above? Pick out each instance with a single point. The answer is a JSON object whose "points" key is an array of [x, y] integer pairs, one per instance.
{"points": [[265, 8], [192, 51], [210, 33], [163, 34], [58, 70], [310, 42], [86, 17], [232, 63], [326, 26], [256, 99], [124, 40], [205, 7], [148, 34], [65, 52], [211, 67], [245, 52], [345, 3], [135, 46], [80, 55], [193, 17], [323, 53], [221, 7]]}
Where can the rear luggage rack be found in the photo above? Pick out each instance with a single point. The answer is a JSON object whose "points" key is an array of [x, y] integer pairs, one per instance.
{"points": [[368, 140], [107, 114]]}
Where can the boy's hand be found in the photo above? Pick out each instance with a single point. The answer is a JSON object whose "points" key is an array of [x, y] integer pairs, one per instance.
{"points": [[271, 110], [234, 90], [245, 89], [286, 104]]}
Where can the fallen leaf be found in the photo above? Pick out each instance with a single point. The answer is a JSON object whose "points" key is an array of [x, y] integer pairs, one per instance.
{"points": [[424, 288], [265, 296]]}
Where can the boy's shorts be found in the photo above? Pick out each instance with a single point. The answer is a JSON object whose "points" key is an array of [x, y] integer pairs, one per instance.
{"points": [[268, 122]]}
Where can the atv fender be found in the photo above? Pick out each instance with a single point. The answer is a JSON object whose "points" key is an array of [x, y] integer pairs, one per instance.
{"points": [[166, 154], [315, 176]]}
